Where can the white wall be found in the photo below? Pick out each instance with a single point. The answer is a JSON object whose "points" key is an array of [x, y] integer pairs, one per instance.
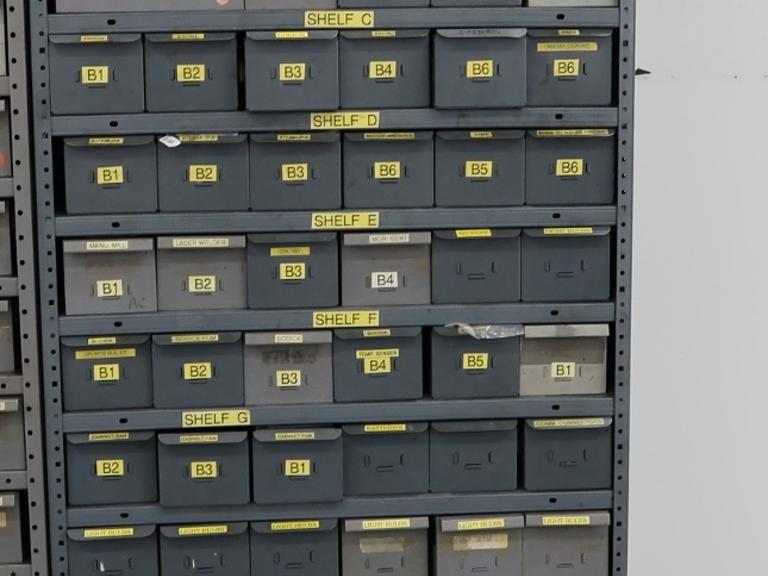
{"points": [[699, 480]]}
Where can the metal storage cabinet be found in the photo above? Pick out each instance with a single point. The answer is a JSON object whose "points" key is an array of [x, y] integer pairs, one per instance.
{"points": [[195, 273], [389, 170], [381, 459], [6, 242], [96, 74], [475, 266], [476, 3], [382, 364], [145, 5], [106, 373], [397, 546], [203, 172], [3, 42], [577, 541], [6, 167], [12, 453], [473, 456], [480, 168], [283, 4], [288, 368], [191, 71], [480, 68], [293, 270], [7, 338], [385, 68], [304, 547], [383, 3], [567, 454], [570, 167], [110, 175], [124, 551], [292, 70], [467, 367], [221, 550], [570, 68], [11, 549], [383, 269], [296, 171], [564, 360], [110, 276], [297, 465], [590, 3], [470, 545], [204, 469], [198, 370], [566, 264], [111, 468]]}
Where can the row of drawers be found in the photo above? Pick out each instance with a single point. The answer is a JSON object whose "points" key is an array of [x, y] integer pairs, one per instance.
{"points": [[274, 368], [314, 171], [543, 544], [306, 465], [282, 271], [325, 70]]}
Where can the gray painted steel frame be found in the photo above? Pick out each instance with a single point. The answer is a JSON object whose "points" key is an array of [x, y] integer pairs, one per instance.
{"points": [[620, 117]]}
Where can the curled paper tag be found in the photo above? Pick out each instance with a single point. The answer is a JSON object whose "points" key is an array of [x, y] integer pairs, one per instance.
{"points": [[170, 141]]}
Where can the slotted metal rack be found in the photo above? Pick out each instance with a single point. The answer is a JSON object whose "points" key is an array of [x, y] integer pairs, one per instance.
{"points": [[53, 227]]}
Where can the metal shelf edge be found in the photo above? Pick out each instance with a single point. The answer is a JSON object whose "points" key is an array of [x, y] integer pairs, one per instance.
{"points": [[15, 570], [6, 188], [14, 480], [11, 384], [9, 287]]}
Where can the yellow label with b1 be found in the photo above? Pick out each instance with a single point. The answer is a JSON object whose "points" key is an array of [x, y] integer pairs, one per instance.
{"points": [[106, 372], [110, 175], [109, 288], [563, 370], [297, 468], [94, 75]]}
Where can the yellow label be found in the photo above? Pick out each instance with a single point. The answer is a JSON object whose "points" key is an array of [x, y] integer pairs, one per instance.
{"points": [[382, 353], [189, 138], [106, 245], [298, 468], [3, 518], [566, 521], [379, 428], [198, 371], [289, 338], [294, 436], [112, 141], [294, 137], [292, 72], [478, 169], [476, 233], [110, 175], [475, 361], [288, 378], [291, 271], [190, 73], [384, 34], [569, 167], [109, 436], [345, 220], [386, 170], [2, 406], [188, 36], [203, 173], [581, 231], [478, 134], [563, 370], [93, 533], [102, 340], [570, 68], [110, 468], [343, 120], [198, 438], [377, 365], [109, 288], [292, 35], [385, 280], [278, 251], [480, 69], [106, 372], [200, 242], [105, 354], [569, 32], [569, 423], [294, 172], [484, 524], [574, 133], [94, 75], [194, 338], [203, 530], [295, 525], [377, 333], [339, 19], [215, 418], [201, 284], [481, 542], [94, 38], [374, 136], [387, 524], [567, 47], [382, 69], [208, 469], [345, 319]]}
